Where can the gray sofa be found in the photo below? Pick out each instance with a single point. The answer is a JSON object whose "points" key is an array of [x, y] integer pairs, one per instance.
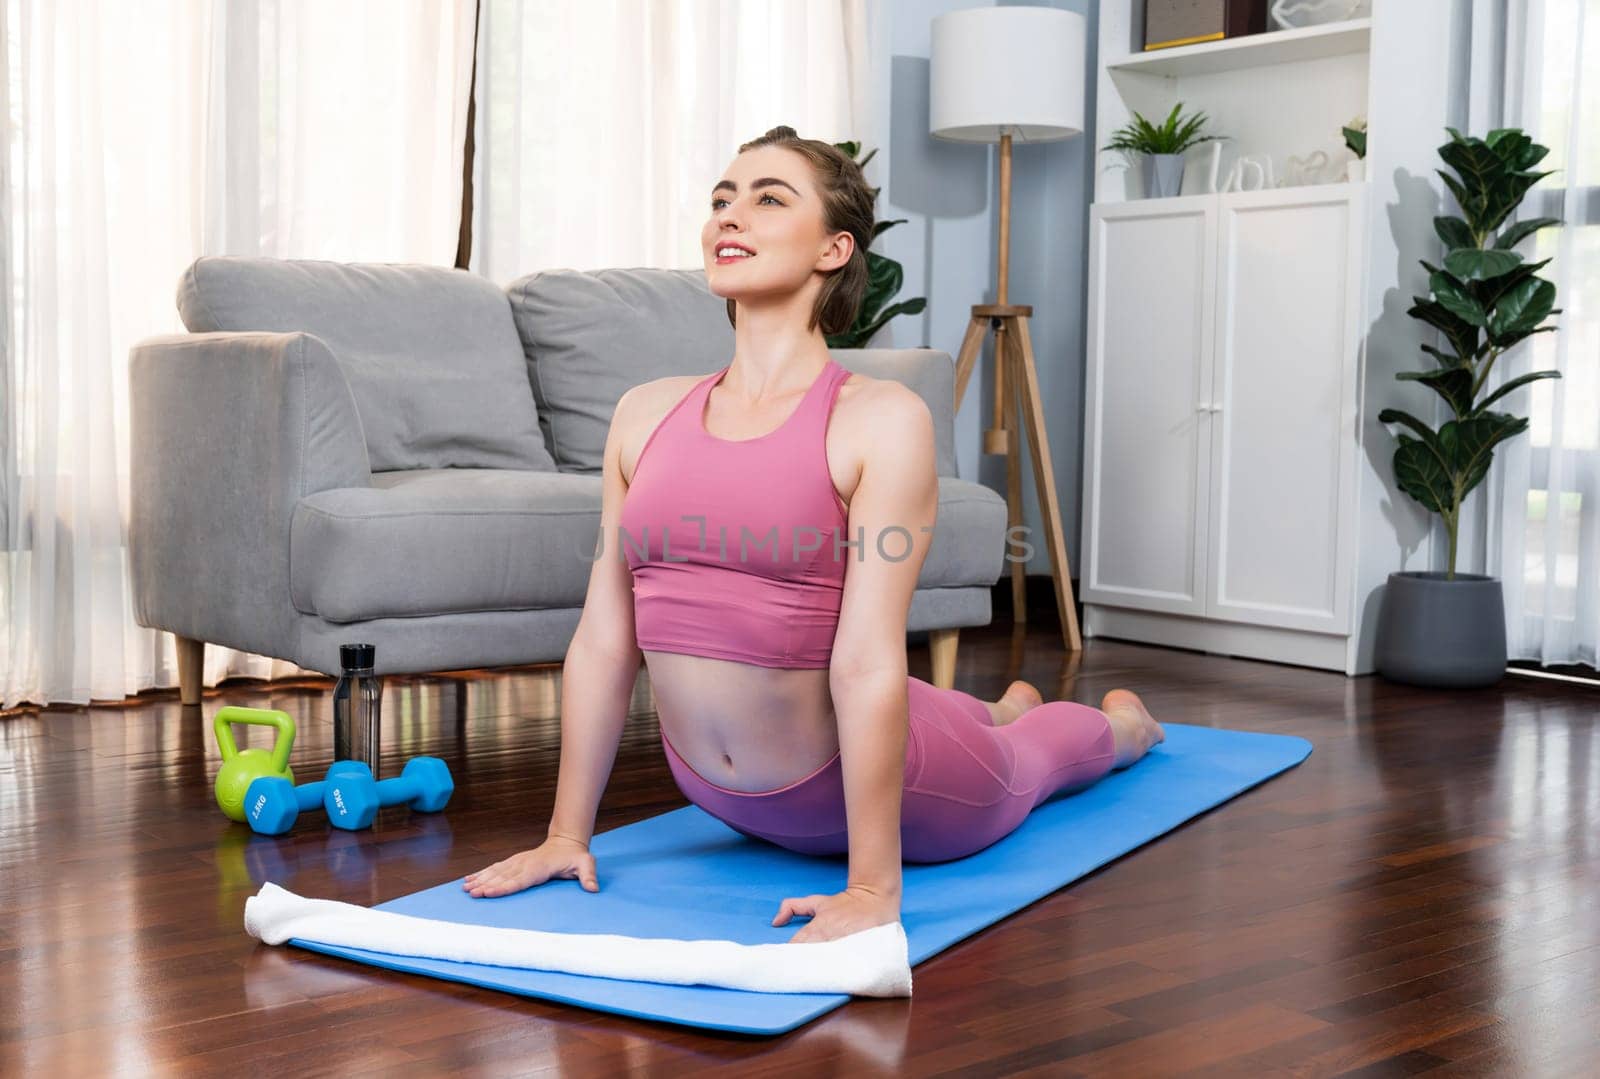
{"points": [[410, 455]]}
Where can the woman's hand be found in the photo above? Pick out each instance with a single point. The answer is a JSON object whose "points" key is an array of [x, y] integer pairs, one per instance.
{"points": [[838, 915], [555, 857]]}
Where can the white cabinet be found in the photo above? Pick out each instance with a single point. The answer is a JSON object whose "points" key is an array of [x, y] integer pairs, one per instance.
{"points": [[1147, 445], [1221, 441]]}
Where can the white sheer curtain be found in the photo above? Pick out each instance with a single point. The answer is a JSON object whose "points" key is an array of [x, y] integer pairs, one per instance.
{"points": [[603, 125], [1548, 531], [139, 136]]}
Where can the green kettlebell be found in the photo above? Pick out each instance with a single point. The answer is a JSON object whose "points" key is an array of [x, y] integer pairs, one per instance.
{"points": [[239, 769]]}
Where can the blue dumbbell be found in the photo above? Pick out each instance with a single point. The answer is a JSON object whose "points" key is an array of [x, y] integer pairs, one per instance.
{"points": [[353, 800], [271, 804]]}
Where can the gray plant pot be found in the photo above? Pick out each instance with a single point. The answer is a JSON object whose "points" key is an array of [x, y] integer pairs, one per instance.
{"points": [[1163, 175], [1448, 634]]}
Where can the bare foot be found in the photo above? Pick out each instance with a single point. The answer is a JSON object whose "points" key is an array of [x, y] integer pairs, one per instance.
{"points": [[1019, 697], [1135, 732]]}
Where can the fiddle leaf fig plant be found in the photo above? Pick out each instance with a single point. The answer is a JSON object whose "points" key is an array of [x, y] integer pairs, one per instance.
{"points": [[1483, 300], [884, 278]]}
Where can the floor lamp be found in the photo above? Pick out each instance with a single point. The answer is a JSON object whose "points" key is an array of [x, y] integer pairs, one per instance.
{"points": [[995, 73]]}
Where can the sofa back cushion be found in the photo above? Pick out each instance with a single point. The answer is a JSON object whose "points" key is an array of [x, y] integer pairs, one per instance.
{"points": [[431, 354], [931, 373], [591, 335]]}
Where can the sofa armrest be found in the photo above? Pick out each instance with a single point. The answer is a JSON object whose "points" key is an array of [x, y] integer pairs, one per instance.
{"points": [[931, 373], [228, 431]]}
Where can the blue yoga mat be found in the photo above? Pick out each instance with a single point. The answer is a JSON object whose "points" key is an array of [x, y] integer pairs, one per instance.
{"points": [[685, 875]]}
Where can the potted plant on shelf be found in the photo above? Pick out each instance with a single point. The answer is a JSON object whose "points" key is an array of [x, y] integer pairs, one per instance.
{"points": [[1161, 148], [1355, 137], [1448, 629]]}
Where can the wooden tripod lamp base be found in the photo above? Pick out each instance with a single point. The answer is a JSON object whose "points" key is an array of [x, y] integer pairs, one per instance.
{"points": [[1016, 390], [996, 74]]}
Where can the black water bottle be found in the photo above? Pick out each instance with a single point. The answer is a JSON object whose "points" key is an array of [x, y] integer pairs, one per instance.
{"points": [[355, 706]]}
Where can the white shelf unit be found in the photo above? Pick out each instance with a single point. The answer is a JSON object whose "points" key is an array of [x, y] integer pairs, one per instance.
{"points": [[1256, 50], [1227, 501], [1284, 93]]}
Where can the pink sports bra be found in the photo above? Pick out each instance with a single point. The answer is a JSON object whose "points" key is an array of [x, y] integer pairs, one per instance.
{"points": [[737, 545]]}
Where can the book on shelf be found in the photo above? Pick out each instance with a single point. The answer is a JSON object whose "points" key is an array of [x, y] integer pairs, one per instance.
{"points": [[1170, 23]]}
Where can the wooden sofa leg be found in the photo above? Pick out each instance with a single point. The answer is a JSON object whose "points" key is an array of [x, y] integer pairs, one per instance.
{"points": [[942, 646], [191, 668]]}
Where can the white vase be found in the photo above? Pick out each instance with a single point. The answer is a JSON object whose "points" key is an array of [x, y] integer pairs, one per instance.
{"points": [[1355, 171], [1297, 14]]}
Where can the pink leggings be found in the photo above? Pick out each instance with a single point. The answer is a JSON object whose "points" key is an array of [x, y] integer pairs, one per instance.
{"points": [[967, 784]]}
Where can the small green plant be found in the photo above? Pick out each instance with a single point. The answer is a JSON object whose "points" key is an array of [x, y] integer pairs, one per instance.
{"points": [[884, 278], [1355, 136], [1174, 135], [1483, 300]]}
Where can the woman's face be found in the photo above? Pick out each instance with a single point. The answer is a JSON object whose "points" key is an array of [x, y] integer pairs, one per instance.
{"points": [[767, 204]]}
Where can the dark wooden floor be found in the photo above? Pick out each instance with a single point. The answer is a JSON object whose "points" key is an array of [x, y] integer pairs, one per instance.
{"points": [[1421, 896]]}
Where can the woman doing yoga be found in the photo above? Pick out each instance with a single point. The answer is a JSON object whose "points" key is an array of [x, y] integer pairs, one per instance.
{"points": [[762, 532]]}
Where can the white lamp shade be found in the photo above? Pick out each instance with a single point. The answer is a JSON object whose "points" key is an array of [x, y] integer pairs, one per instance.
{"points": [[998, 70]]}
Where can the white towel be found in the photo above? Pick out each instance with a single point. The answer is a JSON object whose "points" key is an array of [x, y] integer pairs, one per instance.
{"points": [[872, 963]]}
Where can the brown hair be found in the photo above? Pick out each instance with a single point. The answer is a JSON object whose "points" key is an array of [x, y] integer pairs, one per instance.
{"points": [[846, 207]]}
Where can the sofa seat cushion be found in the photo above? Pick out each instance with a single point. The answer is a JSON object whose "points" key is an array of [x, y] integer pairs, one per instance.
{"points": [[431, 354], [439, 541]]}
